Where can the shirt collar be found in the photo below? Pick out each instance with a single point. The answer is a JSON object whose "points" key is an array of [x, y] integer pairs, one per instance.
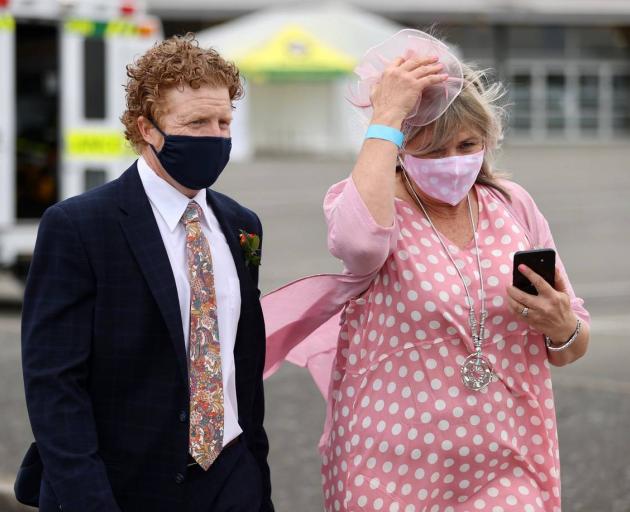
{"points": [[169, 202]]}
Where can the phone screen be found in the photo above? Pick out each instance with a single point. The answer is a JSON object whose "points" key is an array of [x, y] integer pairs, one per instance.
{"points": [[541, 261]]}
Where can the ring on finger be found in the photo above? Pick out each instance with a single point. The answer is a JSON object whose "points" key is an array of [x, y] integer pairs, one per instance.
{"points": [[525, 311]]}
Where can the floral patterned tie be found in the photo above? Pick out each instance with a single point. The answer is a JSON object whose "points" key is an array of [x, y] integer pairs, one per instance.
{"points": [[204, 355]]}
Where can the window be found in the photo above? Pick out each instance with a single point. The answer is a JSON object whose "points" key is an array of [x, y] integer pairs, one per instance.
{"points": [[521, 94], [569, 82], [555, 100], [589, 103], [37, 118], [621, 104], [94, 80]]}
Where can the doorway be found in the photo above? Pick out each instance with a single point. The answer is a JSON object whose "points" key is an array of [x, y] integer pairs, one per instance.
{"points": [[37, 117]]}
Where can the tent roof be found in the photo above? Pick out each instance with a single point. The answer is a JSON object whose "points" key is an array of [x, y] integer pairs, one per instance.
{"points": [[299, 42]]}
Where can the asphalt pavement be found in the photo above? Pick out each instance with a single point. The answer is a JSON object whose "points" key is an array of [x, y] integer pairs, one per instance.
{"points": [[583, 191]]}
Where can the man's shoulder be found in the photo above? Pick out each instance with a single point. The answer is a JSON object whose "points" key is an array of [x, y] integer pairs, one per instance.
{"points": [[97, 202], [91, 199]]}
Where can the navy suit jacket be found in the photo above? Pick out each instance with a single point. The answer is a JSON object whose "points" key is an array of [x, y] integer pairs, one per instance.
{"points": [[104, 359]]}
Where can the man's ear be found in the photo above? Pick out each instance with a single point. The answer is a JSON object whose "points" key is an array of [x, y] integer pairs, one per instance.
{"points": [[149, 133]]}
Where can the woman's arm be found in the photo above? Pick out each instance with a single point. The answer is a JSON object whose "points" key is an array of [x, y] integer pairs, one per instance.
{"points": [[374, 173], [558, 313], [362, 230], [353, 235]]}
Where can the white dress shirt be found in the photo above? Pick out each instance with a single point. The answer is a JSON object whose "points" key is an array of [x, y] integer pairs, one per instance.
{"points": [[168, 205]]}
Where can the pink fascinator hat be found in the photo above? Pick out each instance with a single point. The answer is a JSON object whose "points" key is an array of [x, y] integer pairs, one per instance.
{"points": [[408, 43]]}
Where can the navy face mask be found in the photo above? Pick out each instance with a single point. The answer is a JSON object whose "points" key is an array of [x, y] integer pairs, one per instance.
{"points": [[194, 162]]}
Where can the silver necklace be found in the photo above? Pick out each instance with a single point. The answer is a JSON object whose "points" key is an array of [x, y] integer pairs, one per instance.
{"points": [[476, 371]]}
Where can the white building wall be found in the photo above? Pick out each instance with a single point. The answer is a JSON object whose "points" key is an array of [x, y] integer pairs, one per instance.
{"points": [[298, 117], [350, 126], [568, 80], [545, 11], [7, 130], [242, 148]]}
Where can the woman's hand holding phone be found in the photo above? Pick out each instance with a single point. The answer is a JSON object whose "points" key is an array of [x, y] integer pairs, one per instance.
{"points": [[550, 311]]}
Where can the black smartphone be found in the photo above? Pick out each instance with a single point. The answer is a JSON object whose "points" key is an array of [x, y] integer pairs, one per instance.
{"points": [[541, 261]]}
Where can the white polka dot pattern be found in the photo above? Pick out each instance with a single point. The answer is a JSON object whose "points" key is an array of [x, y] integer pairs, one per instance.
{"points": [[407, 436]]}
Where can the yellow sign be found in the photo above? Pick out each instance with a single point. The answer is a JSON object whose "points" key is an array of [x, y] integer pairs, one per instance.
{"points": [[84, 27], [114, 28], [7, 23], [94, 144], [295, 54], [121, 28]]}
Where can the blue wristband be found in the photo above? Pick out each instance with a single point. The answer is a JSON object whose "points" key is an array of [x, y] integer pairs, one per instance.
{"points": [[380, 131]]}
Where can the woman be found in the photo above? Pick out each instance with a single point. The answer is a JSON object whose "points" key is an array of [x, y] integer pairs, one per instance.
{"points": [[440, 396]]}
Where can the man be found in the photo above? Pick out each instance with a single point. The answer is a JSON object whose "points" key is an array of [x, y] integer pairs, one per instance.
{"points": [[143, 337]]}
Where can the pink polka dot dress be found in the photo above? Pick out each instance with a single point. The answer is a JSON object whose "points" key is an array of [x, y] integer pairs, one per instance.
{"points": [[406, 435]]}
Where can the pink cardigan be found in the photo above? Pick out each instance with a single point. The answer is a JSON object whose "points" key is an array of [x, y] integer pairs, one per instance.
{"points": [[302, 318]]}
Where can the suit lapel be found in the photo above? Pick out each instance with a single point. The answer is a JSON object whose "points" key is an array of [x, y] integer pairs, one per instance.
{"points": [[145, 241]]}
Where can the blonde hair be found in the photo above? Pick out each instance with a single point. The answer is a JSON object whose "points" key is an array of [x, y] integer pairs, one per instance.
{"points": [[476, 109]]}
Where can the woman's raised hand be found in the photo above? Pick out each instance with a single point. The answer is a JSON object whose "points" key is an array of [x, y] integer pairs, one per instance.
{"points": [[392, 97], [401, 85]]}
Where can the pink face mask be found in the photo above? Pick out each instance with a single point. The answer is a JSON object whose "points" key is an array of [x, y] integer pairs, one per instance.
{"points": [[445, 179]]}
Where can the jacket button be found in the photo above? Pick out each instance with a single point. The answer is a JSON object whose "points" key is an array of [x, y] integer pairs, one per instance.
{"points": [[179, 478], [183, 416]]}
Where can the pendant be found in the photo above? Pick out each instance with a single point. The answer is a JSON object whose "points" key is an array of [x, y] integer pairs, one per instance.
{"points": [[476, 372]]}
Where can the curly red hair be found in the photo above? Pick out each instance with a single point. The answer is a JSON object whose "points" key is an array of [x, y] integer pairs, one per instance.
{"points": [[175, 62]]}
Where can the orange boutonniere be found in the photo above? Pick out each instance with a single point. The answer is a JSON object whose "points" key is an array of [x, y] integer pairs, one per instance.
{"points": [[250, 243]]}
